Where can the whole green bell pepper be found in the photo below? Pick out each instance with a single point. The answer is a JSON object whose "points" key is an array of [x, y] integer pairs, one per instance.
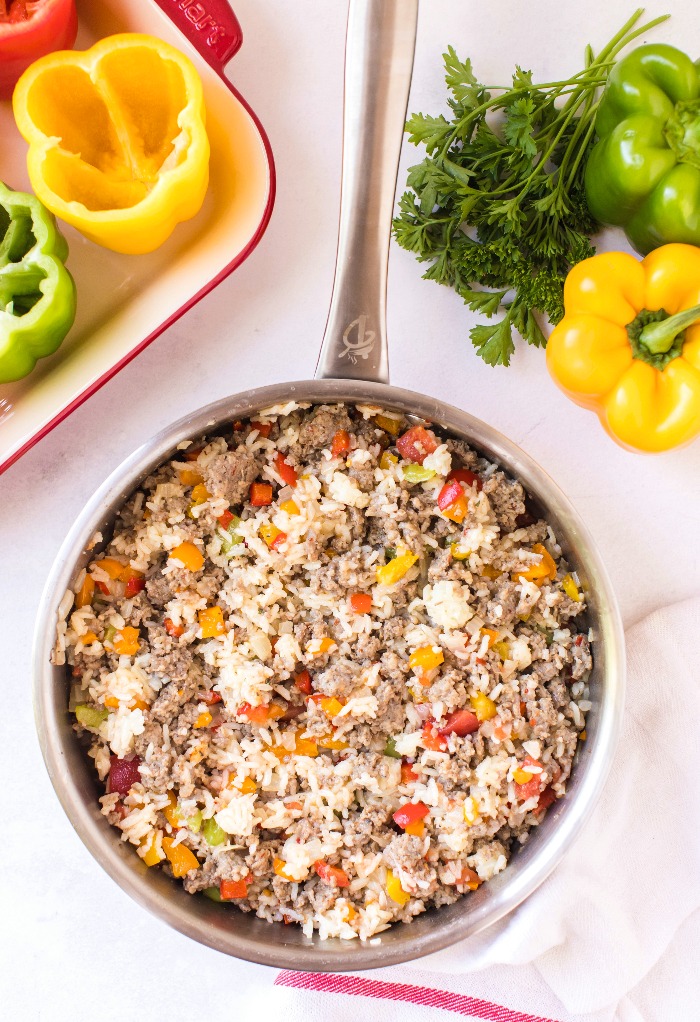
{"points": [[644, 172], [37, 293]]}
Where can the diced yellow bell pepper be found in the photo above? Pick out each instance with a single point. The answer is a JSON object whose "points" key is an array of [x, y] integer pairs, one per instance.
{"points": [[582, 736], [350, 913], [112, 566], [269, 533], [426, 658], [278, 866], [488, 571], [83, 598], [459, 553], [387, 460], [152, 855], [392, 426], [417, 828], [290, 506], [331, 706], [390, 573], [247, 786], [126, 641], [302, 747], [190, 477], [503, 649], [117, 142], [182, 860], [88, 638], [199, 494], [318, 646], [570, 588], [190, 556], [204, 719], [211, 622], [457, 512], [395, 890], [333, 743], [492, 635], [483, 707], [470, 810], [521, 776], [538, 573], [171, 812]]}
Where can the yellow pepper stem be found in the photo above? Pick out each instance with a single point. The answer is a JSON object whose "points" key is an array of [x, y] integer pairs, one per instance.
{"points": [[657, 338]]}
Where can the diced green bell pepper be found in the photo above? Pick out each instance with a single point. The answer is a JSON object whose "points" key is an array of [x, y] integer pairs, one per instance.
{"points": [[213, 893], [417, 474], [90, 716], [37, 293], [390, 749], [212, 832], [644, 172], [233, 536]]}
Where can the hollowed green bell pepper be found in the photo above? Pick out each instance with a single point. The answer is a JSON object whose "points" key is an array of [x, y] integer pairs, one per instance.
{"points": [[644, 172], [37, 293]]}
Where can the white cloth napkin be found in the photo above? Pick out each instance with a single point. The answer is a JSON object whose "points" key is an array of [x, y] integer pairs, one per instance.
{"points": [[586, 944]]}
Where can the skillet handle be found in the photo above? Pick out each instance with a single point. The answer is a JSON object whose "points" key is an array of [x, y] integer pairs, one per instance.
{"points": [[379, 52], [210, 25]]}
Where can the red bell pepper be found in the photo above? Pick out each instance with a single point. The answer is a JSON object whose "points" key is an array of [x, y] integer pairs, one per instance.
{"points": [[461, 722], [229, 889], [432, 739], [225, 520], [260, 494], [263, 428], [341, 443], [134, 584], [285, 471], [409, 813], [361, 603], [303, 682], [416, 444], [331, 874], [172, 629], [29, 29], [463, 475], [449, 494]]}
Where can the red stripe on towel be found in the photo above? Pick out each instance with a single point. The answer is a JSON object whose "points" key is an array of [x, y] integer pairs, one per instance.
{"points": [[331, 983]]}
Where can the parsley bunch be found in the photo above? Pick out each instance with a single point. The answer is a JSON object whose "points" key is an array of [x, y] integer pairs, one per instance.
{"points": [[498, 207]]}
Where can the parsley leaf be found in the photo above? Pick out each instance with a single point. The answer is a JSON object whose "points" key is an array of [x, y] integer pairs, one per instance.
{"points": [[497, 208]]}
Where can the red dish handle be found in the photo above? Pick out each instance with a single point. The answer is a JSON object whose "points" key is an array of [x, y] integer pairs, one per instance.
{"points": [[210, 25]]}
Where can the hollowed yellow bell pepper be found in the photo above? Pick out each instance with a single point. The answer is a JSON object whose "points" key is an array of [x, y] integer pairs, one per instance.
{"points": [[117, 142], [628, 346]]}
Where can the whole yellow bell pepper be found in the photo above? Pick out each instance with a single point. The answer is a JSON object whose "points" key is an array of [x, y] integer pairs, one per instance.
{"points": [[117, 140], [628, 346]]}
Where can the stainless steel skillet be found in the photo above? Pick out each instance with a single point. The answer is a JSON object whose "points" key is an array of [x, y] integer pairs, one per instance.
{"points": [[353, 366]]}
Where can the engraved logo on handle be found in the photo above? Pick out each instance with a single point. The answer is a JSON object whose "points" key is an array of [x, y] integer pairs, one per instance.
{"points": [[361, 345]]}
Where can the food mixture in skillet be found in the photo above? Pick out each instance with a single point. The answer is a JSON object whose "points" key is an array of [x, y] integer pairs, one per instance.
{"points": [[328, 667]]}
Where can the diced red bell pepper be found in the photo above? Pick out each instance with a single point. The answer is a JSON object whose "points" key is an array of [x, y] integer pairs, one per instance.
{"points": [[225, 519], [192, 453], [210, 697], [532, 787], [431, 737], [255, 714], [303, 682], [463, 475], [547, 797], [361, 603], [416, 444], [172, 629], [279, 539], [341, 443], [121, 810], [409, 813], [104, 588], [285, 471], [134, 584], [229, 889], [263, 428], [449, 495], [331, 874], [461, 722], [29, 31], [471, 878], [123, 773], [408, 774], [260, 494]]}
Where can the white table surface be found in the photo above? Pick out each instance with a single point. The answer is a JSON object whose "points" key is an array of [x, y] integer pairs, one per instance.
{"points": [[70, 939]]}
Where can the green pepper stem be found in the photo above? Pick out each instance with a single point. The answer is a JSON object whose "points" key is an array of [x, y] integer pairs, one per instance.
{"points": [[658, 338]]}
